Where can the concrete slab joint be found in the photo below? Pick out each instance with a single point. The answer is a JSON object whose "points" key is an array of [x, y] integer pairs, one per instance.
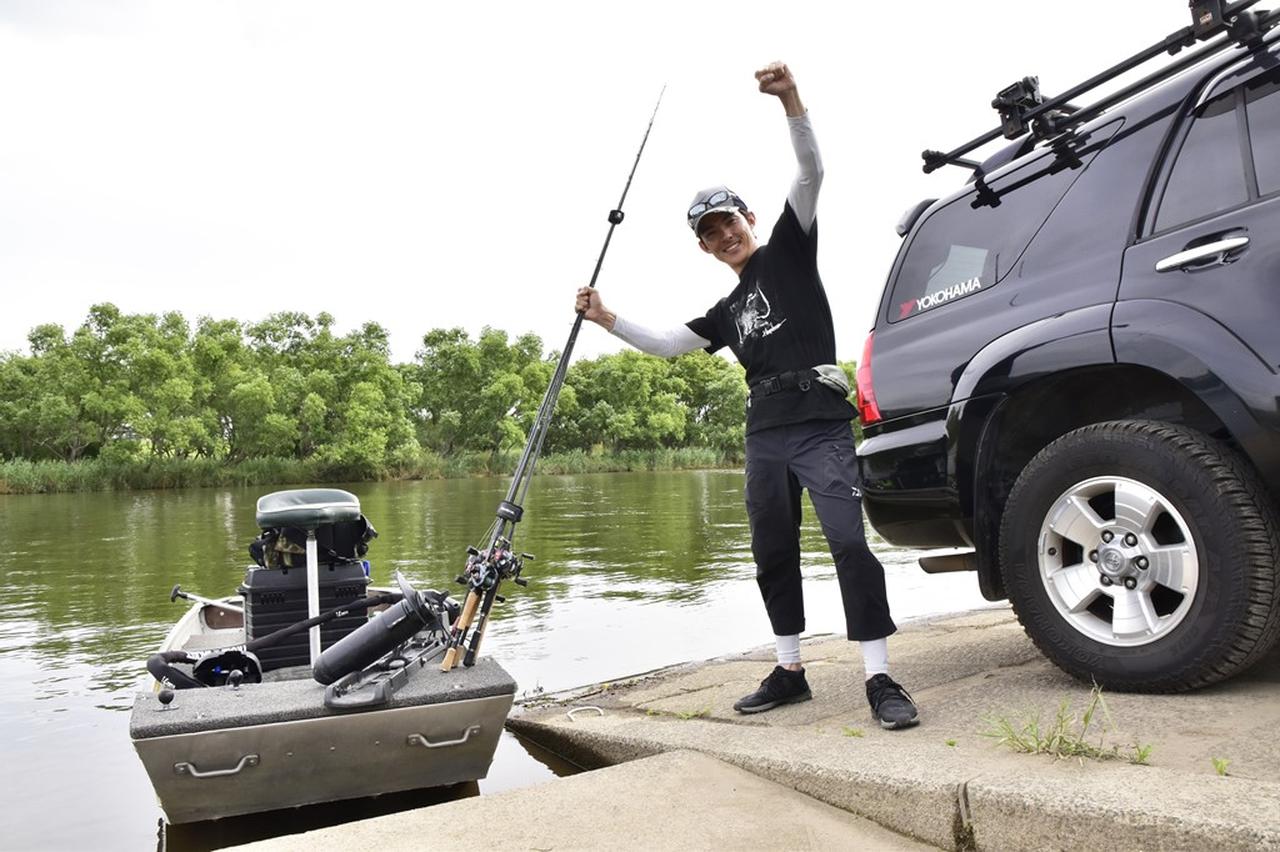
{"points": [[964, 835]]}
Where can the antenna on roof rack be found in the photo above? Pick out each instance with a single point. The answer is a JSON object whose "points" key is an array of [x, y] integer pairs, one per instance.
{"points": [[1024, 109]]}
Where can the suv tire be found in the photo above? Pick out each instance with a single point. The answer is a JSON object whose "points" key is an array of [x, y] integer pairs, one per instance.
{"points": [[1142, 556]]}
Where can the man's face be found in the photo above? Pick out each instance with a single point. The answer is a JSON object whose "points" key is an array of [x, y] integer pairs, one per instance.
{"points": [[729, 237]]}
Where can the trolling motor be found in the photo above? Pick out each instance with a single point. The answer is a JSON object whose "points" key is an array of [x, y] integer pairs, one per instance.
{"points": [[230, 665], [487, 567]]}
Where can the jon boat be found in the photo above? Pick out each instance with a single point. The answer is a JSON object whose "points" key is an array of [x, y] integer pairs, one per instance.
{"points": [[346, 699]]}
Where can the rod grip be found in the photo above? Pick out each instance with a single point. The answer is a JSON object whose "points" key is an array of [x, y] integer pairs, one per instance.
{"points": [[477, 635], [464, 621]]}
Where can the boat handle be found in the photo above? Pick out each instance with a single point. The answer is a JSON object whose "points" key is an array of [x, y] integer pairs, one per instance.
{"points": [[195, 772], [421, 740], [1220, 248]]}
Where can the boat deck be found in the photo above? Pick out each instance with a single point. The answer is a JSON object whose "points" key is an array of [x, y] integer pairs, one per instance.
{"points": [[194, 710]]}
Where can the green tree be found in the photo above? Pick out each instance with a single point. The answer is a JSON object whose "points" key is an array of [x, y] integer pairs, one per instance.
{"points": [[482, 395], [220, 362], [627, 401], [81, 396], [17, 389], [715, 398]]}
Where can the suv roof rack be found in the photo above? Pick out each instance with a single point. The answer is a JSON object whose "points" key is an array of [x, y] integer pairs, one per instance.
{"points": [[1023, 109]]}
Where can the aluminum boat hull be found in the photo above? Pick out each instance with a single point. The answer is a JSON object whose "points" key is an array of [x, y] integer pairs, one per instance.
{"points": [[224, 751]]}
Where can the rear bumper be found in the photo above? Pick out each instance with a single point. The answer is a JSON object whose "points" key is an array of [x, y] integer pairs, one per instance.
{"points": [[908, 491]]}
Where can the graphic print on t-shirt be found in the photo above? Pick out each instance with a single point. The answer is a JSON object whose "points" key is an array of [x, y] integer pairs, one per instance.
{"points": [[753, 315]]}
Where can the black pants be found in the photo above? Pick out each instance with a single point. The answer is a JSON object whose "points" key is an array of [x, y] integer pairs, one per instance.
{"points": [[817, 455]]}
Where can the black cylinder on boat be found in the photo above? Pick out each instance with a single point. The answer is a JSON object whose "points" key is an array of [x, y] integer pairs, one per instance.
{"points": [[392, 627]]}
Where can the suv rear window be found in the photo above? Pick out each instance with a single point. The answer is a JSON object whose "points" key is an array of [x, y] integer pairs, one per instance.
{"points": [[973, 242]]}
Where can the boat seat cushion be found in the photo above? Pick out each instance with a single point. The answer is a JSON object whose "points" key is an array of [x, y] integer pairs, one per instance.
{"points": [[307, 508]]}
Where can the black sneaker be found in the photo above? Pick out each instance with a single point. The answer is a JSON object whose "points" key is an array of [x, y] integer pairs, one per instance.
{"points": [[890, 703], [782, 686]]}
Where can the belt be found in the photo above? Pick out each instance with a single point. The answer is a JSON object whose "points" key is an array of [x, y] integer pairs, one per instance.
{"points": [[802, 379]]}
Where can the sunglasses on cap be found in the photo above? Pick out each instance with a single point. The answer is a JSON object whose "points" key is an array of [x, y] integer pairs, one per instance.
{"points": [[716, 199]]}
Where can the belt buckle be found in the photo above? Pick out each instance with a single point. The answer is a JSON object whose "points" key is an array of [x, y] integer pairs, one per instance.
{"points": [[771, 385]]}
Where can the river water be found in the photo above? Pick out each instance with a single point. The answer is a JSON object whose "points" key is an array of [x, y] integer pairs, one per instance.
{"points": [[634, 571]]}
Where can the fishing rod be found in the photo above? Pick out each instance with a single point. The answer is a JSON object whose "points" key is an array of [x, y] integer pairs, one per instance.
{"points": [[487, 568]]}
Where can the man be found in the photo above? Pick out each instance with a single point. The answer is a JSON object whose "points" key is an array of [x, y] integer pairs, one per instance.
{"points": [[778, 324]]}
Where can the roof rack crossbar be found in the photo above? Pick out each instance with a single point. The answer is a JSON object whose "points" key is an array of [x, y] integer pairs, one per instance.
{"points": [[1147, 82], [1058, 113]]}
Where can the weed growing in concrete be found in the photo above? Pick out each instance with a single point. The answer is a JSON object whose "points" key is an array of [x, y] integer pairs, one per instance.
{"points": [[682, 714], [951, 743], [1067, 736], [852, 732], [1220, 765], [694, 714]]}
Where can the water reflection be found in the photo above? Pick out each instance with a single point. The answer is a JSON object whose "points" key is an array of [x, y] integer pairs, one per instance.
{"points": [[633, 572]]}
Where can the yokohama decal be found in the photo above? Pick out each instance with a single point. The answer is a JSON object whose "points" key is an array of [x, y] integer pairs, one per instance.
{"points": [[941, 297]]}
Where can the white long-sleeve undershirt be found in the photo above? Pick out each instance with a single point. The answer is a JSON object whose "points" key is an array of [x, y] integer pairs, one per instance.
{"points": [[803, 195], [666, 343]]}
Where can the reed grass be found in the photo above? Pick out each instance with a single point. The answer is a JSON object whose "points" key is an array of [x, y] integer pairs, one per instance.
{"points": [[22, 476]]}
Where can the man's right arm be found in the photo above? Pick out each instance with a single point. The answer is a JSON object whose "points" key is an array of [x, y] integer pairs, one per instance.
{"points": [[666, 343]]}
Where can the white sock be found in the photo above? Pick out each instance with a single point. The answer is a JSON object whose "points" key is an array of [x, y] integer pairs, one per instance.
{"points": [[788, 649], [875, 657]]}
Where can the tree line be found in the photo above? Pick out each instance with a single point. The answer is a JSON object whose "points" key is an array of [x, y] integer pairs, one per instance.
{"points": [[137, 387]]}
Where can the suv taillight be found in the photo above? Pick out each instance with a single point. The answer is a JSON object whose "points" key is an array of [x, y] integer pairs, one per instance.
{"points": [[867, 408]]}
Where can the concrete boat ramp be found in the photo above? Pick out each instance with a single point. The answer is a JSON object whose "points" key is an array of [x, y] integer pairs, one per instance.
{"points": [[676, 768]]}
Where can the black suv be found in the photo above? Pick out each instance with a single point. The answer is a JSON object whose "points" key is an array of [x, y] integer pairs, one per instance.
{"points": [[1074, 373]]}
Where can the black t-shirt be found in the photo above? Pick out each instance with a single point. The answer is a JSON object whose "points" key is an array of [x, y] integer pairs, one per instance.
{"points": [[777, 320]]}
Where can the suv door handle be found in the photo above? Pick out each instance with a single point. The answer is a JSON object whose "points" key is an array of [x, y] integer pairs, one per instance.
{"points": [[1217, 252]]}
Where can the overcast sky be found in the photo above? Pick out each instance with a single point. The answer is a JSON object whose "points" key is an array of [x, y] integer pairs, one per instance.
{"points": [[427, 165]]}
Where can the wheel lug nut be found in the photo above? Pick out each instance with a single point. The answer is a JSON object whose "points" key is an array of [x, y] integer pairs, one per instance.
{"points": [[1142, 562], [1093, 556], [1130, 539], [1107, 535], [1130, 583], [1106, 581]]}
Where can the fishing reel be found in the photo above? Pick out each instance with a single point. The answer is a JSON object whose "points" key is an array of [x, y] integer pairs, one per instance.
{"points": [[486, 568]]}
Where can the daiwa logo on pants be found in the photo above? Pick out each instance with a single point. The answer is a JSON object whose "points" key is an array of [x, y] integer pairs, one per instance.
{"points": [[932, 300]]}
